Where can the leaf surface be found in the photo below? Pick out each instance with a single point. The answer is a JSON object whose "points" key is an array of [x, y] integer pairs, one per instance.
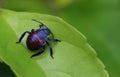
{"points": [[74, 57]]}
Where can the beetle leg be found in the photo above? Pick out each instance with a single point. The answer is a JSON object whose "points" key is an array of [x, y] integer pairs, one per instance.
{"points": [[52, 35], [54, 40], [39, 53], [20, 39], [32, 30], [50, 48]]}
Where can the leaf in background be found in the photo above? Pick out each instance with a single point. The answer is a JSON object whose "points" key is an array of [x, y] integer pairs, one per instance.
{"points": [[74, 57], [5, 71], [62, 3], [40, 6]]}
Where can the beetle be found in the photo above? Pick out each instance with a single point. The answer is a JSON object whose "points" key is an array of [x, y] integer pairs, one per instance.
{"points": [[38, 39]]}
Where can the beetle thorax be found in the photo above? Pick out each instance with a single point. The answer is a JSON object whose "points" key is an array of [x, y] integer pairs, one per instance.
{"points": [[43, 33]]}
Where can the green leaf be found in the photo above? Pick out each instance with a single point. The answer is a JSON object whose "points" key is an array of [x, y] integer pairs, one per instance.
{"points": [[27, 5], [74, 57], [99, 22]]}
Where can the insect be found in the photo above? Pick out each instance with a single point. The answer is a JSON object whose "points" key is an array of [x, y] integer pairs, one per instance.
{"points": [[38, 39]]}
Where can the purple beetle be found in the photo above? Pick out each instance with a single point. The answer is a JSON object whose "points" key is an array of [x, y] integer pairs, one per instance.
{"points": [[37, 39]]}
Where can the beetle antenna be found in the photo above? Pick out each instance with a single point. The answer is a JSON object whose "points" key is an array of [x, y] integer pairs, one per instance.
{"points": [[37, 21], [41, 24]]}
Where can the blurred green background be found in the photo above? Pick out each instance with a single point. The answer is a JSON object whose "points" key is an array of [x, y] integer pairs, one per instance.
{"points": [[98, 20]]}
